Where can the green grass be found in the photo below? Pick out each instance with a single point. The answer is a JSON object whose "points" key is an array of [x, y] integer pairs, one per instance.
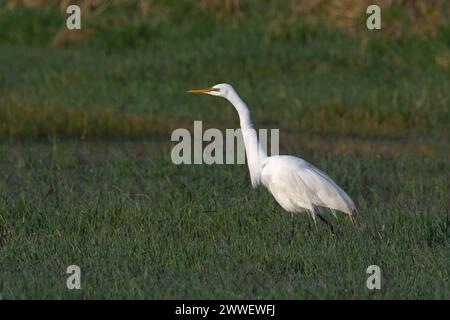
{"points": [[86, 178], [300, 76], [141, 227]]}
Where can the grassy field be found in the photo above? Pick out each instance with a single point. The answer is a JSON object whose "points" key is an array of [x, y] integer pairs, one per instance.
{"points": [[140, 227], [85, 170]]}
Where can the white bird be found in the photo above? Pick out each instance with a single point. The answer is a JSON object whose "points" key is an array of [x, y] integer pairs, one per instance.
{"points": [[295, 184]]}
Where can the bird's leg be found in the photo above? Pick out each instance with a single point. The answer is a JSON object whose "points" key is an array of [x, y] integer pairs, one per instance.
{"points": [[326, 222]]}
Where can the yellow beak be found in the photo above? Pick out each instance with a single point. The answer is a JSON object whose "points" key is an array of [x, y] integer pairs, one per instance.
{"points": [[202, 90]]}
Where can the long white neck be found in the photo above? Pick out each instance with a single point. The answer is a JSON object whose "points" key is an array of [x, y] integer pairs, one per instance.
{"points": [[256, 155]]}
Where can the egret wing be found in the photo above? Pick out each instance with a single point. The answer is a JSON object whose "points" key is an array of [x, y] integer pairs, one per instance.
{"points": [[320, 189]]}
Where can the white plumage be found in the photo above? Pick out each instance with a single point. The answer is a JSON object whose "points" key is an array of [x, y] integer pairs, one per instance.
{"points": [[299, 186], [295, 184]]}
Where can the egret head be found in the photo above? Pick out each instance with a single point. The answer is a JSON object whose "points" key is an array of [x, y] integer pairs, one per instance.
{"points": [[221, 90]]}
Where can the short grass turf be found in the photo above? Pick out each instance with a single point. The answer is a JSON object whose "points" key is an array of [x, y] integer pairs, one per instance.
{"points": [[140, 227]]}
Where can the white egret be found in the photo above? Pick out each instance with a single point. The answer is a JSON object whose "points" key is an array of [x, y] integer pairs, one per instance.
{"points": [[295, 184]]}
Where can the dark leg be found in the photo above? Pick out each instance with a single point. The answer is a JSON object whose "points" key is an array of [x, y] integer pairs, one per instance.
{"points": [[326, 222]]}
